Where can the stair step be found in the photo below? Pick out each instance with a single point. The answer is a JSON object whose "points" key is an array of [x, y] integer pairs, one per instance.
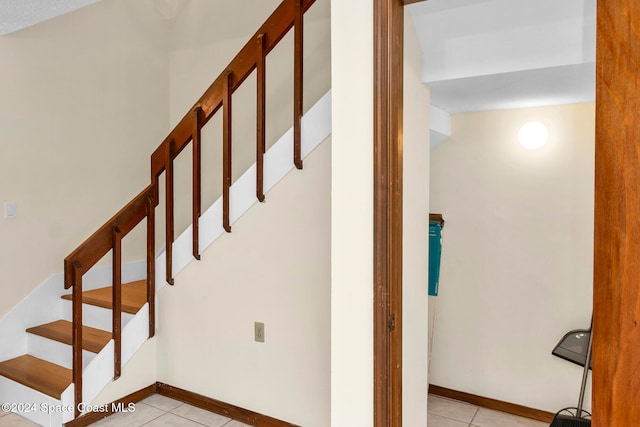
{"points": [[93, 339], [134, 296], [38, 374]]}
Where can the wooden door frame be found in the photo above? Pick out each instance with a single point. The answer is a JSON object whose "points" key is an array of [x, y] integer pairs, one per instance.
{"points": [[616, 299], [387, 253], [387, 216], [616, 296]]}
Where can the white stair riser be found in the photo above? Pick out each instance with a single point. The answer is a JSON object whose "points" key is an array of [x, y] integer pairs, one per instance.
{"points": [[35, 406], [93, 316], [55, 352]]}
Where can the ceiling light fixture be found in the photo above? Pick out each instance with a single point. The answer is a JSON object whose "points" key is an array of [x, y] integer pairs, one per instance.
{"points": [[533, 135]]}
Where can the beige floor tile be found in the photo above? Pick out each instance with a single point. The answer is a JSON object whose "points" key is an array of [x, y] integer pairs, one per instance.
{"points": [[200, 415], [171, 420], [489, 418], [15, 420], [453, 409], [142, 415], [438, 421], [161, 402], [236, 424]]}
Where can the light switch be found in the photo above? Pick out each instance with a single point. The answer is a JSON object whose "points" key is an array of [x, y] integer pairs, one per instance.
{"points": [[258, 328], [10, 210]]}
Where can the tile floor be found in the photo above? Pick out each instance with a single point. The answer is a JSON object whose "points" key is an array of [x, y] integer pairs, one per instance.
{"points": [[154, 411], [161, 411], [443, 412]]}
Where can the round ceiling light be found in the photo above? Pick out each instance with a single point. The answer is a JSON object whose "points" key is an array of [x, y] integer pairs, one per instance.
{"points": [[533, 135]]}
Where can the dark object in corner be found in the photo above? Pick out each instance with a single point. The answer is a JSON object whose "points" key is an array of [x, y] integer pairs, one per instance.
{"points": [[561, 420], [437, 218], [573, 346], [575, 417], [436, 222]]}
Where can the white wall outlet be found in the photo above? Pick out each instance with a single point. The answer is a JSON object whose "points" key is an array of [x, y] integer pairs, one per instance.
{"points": [[258, 328], [10, 211]]}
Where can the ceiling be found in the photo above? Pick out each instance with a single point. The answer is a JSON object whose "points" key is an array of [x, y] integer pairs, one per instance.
{"points": [[496, 54], [18, 14], [478, 54]]}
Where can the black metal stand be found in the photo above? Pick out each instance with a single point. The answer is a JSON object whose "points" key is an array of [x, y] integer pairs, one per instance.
{"points": [[575, 417]]}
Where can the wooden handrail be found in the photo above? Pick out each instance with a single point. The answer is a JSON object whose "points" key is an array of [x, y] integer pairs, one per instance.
{"points": [[95, 247], [242, 65], [289, 14]]}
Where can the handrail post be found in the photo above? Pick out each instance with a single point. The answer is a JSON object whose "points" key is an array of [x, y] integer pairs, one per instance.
{"points": [[226, 151], [77, 335], [197, 179], [169, 210], [151, 264], [116, 302], [298, 83], [261, 115]]}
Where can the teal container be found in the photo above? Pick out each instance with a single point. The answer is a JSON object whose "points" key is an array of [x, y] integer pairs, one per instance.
{"points": [[435, 253]]}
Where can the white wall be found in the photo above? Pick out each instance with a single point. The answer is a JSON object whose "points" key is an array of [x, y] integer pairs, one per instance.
{"points": [[352, 213], [139, 372], [516, 269], [415, 235], [84, 103], [274, 268]]}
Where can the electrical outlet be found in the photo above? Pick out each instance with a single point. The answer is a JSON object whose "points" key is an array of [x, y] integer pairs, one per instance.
{"points": [[258, 328]]}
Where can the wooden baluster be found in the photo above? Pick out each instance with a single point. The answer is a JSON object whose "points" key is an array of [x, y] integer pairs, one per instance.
{"points": [[297, 83], [155, 182], [77, 334], [226, 151], [261, 116], [197, 179], [116, 302], [169, 210], [151, 264]]}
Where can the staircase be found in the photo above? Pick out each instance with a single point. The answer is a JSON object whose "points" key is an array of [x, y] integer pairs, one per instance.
{"points": [[70, 359], [52, 379]]}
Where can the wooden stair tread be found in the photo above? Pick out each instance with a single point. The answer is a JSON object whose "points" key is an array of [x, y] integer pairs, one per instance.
{"points": [[93, 339], [38, 374], [134, 296]]}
